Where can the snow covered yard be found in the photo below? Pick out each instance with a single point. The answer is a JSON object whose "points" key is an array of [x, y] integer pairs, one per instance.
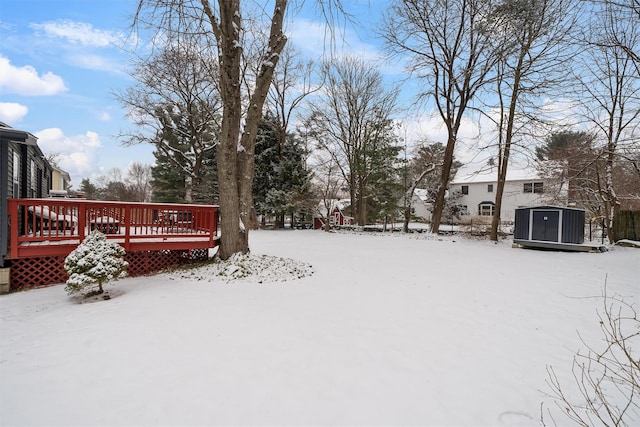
{"points": [[389, 329]]}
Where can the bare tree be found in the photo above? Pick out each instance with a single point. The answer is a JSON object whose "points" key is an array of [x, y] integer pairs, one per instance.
{"points": [[425, 163], [111, 186], [628, 12], [175, 105], [610, 87], [53, 158], [533, 35], [408, 197], [452, 50], [607, 378], [329, 182], [292, 83], [351, 122], [221, 29], [228, 32], [138, 180]]}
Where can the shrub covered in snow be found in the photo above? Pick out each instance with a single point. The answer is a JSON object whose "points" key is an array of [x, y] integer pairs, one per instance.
{"points": [[249, 267], [94, 262]]}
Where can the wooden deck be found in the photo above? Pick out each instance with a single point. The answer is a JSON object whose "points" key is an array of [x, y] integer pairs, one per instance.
{"points": [[54, 227]]}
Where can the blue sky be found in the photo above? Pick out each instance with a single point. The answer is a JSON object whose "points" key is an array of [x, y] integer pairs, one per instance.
{"points": [[61, 61]]}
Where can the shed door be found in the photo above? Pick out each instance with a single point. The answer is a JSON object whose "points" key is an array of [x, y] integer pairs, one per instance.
{"points": [[545, 225]]}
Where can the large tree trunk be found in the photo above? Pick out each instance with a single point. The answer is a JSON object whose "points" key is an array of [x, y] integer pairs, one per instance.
{"points": [[436, 218], [503, 159], [246, 161], [502, 174], [235, 151], [408, 197], [233, 237], [188, 189], [361, 208], [611, 202]]}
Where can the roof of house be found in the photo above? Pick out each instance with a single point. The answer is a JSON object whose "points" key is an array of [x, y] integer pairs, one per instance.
{"points": [[340, 204], [62, 172], [422, 194], [7, 133], [470, 174]]}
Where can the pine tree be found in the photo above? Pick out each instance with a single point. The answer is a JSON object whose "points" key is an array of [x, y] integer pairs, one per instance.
{"points": [[185, 169], [94, 262], [89, 190], [380, 171], [281, 181], [167, 180]]}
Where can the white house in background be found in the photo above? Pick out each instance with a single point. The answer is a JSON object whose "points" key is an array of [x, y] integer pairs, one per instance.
{"points": [[523, 187], [420, 205]]}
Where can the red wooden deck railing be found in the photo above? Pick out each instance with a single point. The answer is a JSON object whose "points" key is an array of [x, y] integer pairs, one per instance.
{"points": [[54, 227]]}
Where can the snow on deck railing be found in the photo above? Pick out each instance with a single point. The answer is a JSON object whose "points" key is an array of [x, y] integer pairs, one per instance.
{"points": [[58, 221]]}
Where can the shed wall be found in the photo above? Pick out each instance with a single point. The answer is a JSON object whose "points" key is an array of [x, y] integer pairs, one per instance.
{"points": [[521, 226], [572, 226], [573, 221]]}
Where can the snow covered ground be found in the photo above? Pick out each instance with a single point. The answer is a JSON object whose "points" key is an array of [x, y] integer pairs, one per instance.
{"points": [[386, 329]]}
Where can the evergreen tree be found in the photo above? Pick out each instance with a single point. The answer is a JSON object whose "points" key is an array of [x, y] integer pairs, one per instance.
{"points": [[382, 173], [570, 162], [94, 262], [281, 182], [185, 169], [167, 180], [89, 190]]}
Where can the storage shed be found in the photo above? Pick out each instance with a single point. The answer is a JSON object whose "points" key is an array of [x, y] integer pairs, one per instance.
{"points": [[550, 227]]}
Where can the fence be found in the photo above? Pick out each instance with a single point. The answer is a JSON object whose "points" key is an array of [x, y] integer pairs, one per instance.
{"points": [[626, 225]]}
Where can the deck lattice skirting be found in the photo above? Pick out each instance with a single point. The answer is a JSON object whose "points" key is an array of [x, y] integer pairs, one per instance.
{"points": [[42, 271]]}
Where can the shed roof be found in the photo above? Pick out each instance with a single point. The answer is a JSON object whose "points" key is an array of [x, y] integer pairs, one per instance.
{"points": [[550, 207]]}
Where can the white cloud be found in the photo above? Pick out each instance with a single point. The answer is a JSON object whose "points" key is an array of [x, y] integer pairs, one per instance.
{"points": [[26, 81], [96, 62], [80, 33], [77, 155], [474, 136], [316, 40], [12, 112]]}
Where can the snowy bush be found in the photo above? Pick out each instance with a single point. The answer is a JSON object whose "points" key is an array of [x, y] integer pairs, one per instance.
{"points": [[94, 262], [248, 267]]}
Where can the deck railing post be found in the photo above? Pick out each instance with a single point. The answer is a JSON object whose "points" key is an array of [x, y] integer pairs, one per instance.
{"points": [[126, 221], [82, 221], [211, 223]]}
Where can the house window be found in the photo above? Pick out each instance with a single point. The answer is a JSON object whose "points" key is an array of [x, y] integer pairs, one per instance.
{"points": [[533, 187], [16, 174], [32, 181], [486, 209], [537, 187], [490, 188], [465, 189]]}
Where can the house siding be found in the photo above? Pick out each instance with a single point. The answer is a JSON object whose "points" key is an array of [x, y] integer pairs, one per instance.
{"points": [[513, 196], [30, 176]]}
